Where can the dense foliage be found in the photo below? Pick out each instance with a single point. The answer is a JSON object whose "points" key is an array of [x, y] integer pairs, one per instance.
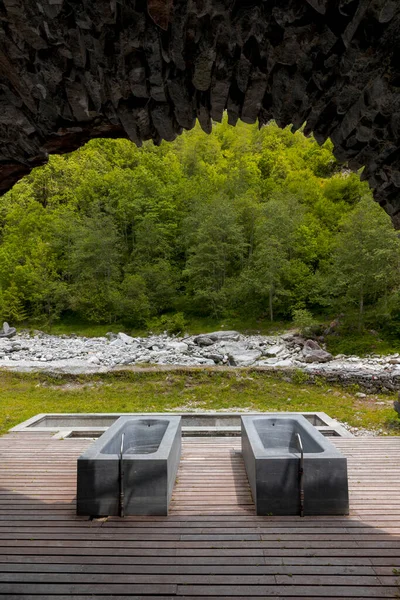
{"points": [[243, 221]]}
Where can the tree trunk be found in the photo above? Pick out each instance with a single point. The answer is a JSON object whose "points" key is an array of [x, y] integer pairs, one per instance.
{"points": [[271, 311], [361, 310]]}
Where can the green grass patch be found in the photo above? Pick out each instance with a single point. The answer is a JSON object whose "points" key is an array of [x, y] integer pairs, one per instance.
{"points": [[84, 329], [250, 326], [24, 395], [361, 344], [193, 326]]}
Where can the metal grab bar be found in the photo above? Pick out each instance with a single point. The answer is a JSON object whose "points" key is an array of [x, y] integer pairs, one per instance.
{"points": [[301, 473], [121, 478]]}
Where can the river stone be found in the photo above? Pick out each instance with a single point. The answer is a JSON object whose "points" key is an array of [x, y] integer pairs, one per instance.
{"points": [[94, 360], [283, 364], [222, 336], [273, 350], [7, 331], [177, 346], [203, 340], [312, 352], [127, 339], [217, 358], [396, 406], [243, 357], [117, 342], [111, 335]]}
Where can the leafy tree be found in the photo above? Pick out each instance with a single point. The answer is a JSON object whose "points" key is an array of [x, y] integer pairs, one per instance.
{"points": [[244, 220], [95, 257], [274, 246], [214, 253], [303, 319], [366, 260], [11, 305], [132, 305]]}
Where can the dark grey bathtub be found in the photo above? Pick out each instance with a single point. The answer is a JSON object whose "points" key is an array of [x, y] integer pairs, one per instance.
{"points": [[152, 449], [272, 459]]}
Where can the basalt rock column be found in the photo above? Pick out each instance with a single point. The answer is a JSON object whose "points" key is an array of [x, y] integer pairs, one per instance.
{"points": [[70, 71]]}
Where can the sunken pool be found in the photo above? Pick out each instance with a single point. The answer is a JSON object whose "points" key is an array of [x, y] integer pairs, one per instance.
{"points": [[287, 481], [131, 468]]}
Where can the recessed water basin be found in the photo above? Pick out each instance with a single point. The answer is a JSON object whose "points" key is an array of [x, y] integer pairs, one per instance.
{"points": [[278, 435], [69, 425]]}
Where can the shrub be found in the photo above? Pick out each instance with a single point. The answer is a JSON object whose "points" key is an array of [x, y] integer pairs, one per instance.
{"points": [[171, 323], [303, 320]]}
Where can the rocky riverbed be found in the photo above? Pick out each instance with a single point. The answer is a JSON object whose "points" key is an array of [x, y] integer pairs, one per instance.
{"points": [[288, 352]]}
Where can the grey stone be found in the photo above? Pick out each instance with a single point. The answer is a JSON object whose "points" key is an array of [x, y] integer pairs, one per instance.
{"points": [[111, 335], [396, 406], [243, 357], [273, 350], [312, 352], [206, 339], [203, 340], [283, 364], [217, 358], [288, 337], [220, 336], [94, 360], [7, 331], [117, 342], [177, 346], [127, 339]]}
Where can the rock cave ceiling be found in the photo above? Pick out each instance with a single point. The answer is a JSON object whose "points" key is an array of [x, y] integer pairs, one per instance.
{"points": [[71, 70]]}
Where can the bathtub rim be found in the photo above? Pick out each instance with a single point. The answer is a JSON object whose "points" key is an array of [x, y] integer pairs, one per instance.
{"points": [[260, 452], [94, 452]]}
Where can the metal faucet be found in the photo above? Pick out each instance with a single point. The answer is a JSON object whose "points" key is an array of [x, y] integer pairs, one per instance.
{"points": [[121, 478], [301, 473]]}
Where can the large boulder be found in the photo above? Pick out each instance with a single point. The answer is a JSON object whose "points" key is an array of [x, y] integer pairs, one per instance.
{"points": [[177, 346], [207, 339], [312, 352], [7, 331], [241, 355], [203, 340], [396, 406], [127, 339], [273, 350]]}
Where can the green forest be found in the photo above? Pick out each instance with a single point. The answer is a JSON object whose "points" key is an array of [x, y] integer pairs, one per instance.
{"points": [[245, 223]]}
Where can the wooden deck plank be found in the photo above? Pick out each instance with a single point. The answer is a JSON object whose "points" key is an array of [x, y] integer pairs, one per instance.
{"points": [[211, 545]]}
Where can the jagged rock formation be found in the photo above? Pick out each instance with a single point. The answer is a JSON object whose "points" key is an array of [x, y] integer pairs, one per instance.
{"points": [[6, 331], [142, 69]]}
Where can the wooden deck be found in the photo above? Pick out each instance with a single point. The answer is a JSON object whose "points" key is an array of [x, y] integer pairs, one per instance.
{"points": [[212, 545]]}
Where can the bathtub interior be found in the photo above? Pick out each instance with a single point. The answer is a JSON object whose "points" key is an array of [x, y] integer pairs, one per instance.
{"points": [[142, 436], [280, 435]]}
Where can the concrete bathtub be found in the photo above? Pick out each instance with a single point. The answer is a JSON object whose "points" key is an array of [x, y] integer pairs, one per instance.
{"points": [[272, 460], [151, 454]]}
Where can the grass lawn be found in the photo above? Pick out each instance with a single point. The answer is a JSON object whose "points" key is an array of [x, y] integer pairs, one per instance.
{"points": [[24, 395]]}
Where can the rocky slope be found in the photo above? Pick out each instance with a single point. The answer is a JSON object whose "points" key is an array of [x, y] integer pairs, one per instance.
{"points": [[73, 354]]}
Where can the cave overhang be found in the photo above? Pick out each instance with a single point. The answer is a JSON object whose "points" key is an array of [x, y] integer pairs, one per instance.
{"points": [[147, 70]]}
